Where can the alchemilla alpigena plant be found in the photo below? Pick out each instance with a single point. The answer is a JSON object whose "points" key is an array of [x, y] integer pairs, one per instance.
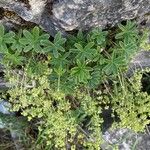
{"points": [[65, 83]]}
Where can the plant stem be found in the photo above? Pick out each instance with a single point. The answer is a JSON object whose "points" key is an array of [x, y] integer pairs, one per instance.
{"points": [[58, 83]]}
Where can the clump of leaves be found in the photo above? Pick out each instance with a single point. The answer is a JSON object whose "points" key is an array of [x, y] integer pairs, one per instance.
{"points": [[81, 72], [128, 32], [5, 39], [53, 81], [31, 40], [131, 104], [55, 46]]}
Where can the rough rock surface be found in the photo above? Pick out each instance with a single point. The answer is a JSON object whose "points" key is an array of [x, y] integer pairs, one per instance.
{"points": [[125, 139], [16, 125], [68, 15], [140, 61]]}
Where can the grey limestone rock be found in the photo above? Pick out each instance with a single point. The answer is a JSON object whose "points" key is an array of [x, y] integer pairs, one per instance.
{"points": [[140, 61], [68, 15], [125, 139], [84, 14], [16, 125]]}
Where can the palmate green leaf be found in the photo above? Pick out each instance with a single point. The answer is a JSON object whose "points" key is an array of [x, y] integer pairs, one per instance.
{"points": [[61, 60], [9, 37], [83, 53], [128, 49], [50, 47], [5, 39], [110, 69], [96, 77], [114, 64], [81, 72], [99, 57], [58, 39], [55, 47], [33, 40], [17, 46], [15, 59], [36, 33], [59, 71], [80, 38], [58, 43], [128, 32], [98, 36]]}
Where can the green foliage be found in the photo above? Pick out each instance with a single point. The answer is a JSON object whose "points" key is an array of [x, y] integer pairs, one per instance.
{"points": [[131, 104], [81, 72], [99, 37], [55, 81], [85, 53], [128, 49], [113, 64], [16, 45], [145, 43], [55, 46], [128, 32], [5, 39], [31, 40]]}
